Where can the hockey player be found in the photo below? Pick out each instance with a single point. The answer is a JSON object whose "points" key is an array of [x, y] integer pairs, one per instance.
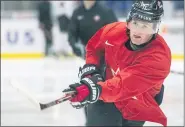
{"points": [[46, 24], [61, 13], [86, 20], [137, 62]]}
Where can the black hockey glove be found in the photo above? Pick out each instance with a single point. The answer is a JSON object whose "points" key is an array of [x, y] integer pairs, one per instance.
{"points": [[87, 91], [88, 70]]}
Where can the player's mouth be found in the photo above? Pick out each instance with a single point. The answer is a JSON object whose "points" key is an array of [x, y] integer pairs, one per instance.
{"points": [[137, 37]]}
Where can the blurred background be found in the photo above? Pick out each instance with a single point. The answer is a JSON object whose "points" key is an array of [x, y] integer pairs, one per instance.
{"points": [[22, 33], [42, 59]]}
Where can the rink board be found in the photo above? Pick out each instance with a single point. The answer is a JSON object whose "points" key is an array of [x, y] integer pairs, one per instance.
{"points": [[41, 55]]}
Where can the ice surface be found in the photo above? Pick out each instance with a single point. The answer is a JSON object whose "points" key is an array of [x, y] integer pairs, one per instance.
{"points": [[46, 78]]}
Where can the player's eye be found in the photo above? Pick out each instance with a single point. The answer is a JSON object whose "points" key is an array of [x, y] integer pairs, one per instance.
{"points": [[144, 26], [134, 23]]}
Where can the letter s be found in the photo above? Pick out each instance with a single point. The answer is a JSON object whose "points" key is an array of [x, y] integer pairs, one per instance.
{"points": [[28, 36]]}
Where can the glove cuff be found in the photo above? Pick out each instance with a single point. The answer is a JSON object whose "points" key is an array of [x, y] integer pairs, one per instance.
{"points": [[88, 69], [100, 89], [95, 90]]}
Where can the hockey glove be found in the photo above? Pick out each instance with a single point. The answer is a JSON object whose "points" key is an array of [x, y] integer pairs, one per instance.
{"points": [[87, 91], [88, 70]]}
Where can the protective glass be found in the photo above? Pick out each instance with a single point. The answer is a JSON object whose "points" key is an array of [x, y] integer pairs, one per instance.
{"points": [[143, 26]]}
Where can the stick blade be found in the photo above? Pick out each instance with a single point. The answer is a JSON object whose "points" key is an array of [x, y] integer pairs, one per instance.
{"points": [[24, 92]]}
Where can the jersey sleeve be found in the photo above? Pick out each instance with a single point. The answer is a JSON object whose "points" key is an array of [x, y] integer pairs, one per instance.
{"points": [[142, 75], [95, 47]]}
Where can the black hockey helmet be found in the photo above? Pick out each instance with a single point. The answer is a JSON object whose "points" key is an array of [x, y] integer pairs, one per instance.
{"points": [[145, 16], [146, 10]]}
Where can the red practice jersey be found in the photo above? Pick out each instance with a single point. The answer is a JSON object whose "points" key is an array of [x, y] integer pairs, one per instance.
{"points": [[133, 78]]}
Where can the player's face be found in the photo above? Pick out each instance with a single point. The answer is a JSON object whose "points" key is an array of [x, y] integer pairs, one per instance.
{"points": [[139, 38], [141, 32]]}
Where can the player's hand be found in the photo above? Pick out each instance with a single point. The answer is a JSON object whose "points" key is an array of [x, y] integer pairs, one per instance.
{"points": [[87, 91]]}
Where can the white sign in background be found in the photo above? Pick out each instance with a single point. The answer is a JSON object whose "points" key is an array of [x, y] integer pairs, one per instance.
{"points": [[24, 35], [21, 36]]}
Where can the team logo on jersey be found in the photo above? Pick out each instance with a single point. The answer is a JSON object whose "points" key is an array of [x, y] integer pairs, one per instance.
{"points": [[107, 43], [114, 73], [134, 97], [80, 17], [96, 18]]}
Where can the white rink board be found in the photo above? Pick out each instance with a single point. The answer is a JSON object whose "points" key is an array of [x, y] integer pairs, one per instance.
{"points": [[21, 36], [24, 35]]}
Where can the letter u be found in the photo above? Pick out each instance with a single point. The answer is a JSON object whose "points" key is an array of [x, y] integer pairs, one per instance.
{"points": [[12, 38]]}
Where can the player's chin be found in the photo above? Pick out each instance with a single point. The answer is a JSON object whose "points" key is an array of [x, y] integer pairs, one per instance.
{"points": [[137, 41]]}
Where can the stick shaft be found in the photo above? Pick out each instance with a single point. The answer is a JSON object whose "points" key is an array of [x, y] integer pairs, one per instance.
{"points": [[24, 92], [177, 72], [55, 102], [30, 96]]}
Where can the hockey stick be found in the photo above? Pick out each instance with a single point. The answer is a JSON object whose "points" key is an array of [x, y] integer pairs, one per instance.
{"points": [[176, 72], [23, 91], [57, 101], [33, 99]]}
